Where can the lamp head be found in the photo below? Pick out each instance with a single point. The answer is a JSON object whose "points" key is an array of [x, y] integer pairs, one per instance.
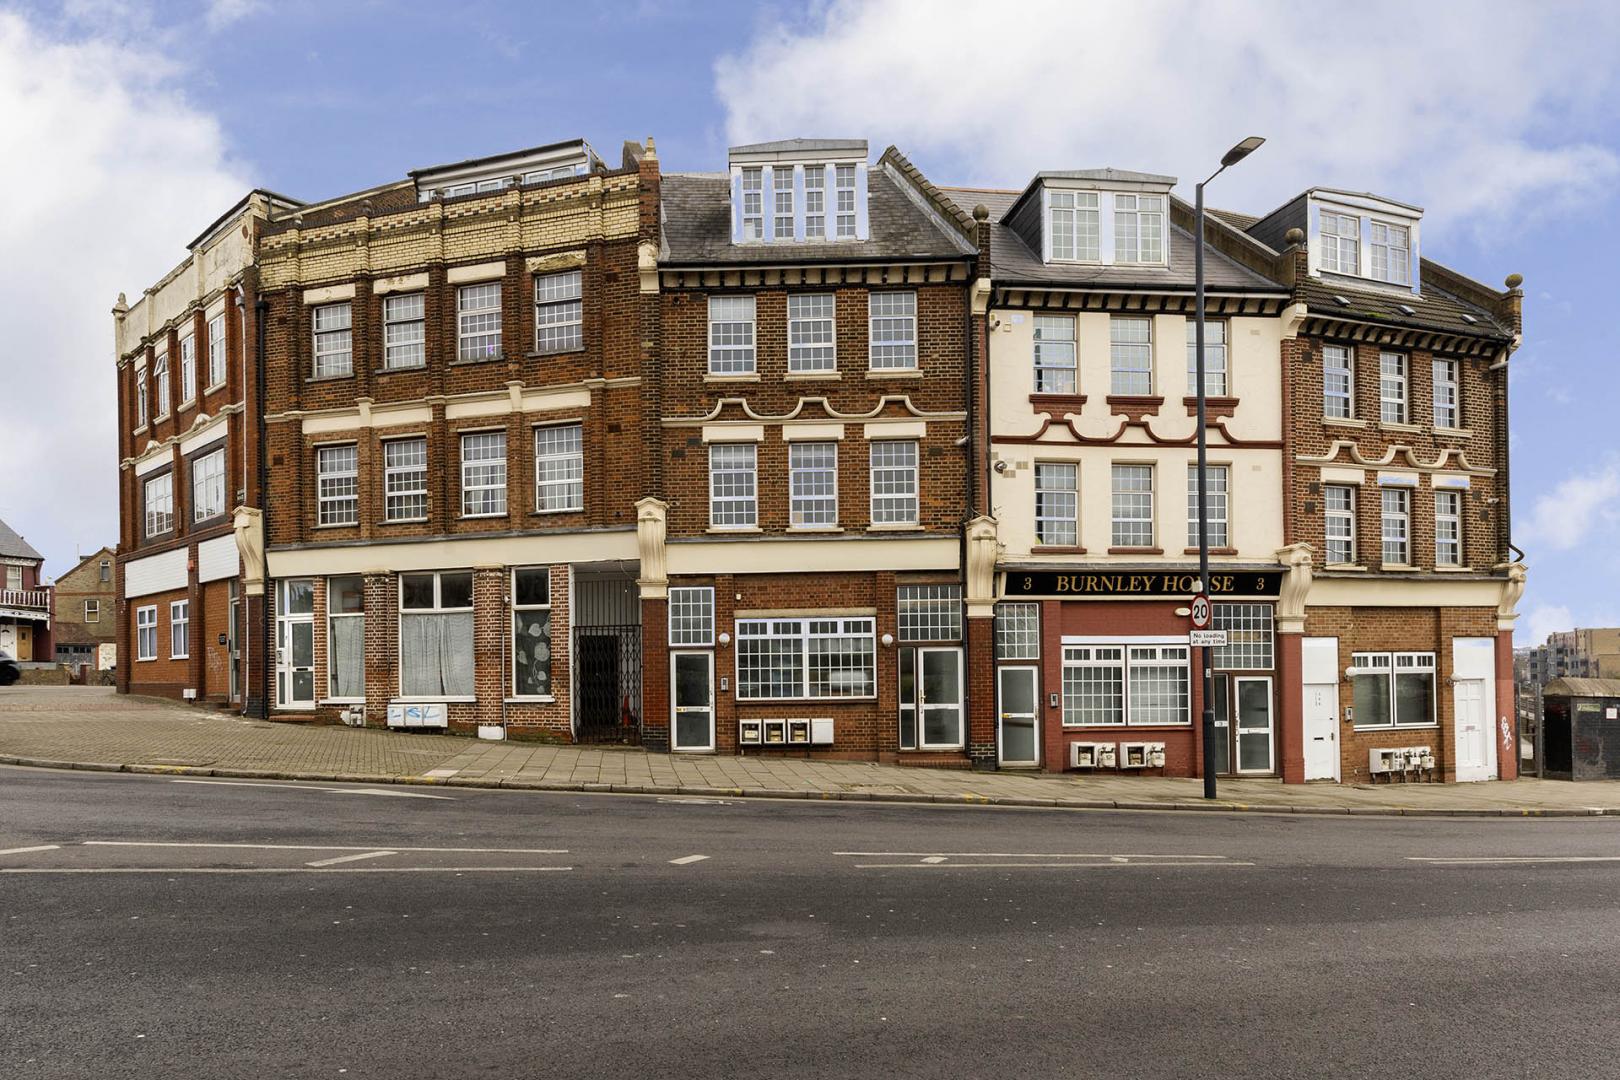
{"points": [[1241, 150]]}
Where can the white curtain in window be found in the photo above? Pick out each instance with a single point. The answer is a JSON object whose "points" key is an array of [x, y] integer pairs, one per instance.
{"points": [[348, 657], [436, 655]]}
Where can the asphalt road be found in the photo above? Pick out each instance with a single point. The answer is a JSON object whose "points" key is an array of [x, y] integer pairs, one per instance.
{"points": [[172, 928]]}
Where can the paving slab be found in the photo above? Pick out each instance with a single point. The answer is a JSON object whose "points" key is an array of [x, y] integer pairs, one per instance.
{"points": [[95, 728]]}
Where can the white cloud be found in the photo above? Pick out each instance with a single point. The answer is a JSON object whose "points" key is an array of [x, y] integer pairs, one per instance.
{"points": [[1575, 511], [111, 172], [1450, 107], [222, 13], [1542, 620]]}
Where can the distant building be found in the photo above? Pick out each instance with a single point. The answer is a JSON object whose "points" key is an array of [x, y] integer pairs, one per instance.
{"points": [[84, 614], [25, 601], [1567, 654]]}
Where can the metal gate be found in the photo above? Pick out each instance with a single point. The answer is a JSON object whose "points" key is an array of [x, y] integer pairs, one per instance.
{"points": [[607, 684]]}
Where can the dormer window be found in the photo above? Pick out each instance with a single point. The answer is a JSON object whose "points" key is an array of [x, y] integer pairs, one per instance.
{"points": [[798, 191], [485, 175], [1074, 225], [1391, 253], [1341, 244], [1138, 229]]}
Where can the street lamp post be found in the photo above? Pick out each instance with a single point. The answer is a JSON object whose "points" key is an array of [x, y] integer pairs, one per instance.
{"points": [[1233, 156]]}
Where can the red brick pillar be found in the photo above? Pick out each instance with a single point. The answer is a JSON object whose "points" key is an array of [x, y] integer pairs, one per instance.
{"points": [[256, 650], [655, 674], [382, 648], [1291, 702], [491, 671], [1506, 720], [980, 663]]}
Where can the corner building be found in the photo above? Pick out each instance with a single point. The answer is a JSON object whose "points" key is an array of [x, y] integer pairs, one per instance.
{"points": [[188, 466], [1085, 313], [801, 545], [1406, 580], [456, 366]]}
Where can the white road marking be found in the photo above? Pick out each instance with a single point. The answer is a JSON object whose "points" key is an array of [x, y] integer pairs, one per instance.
{"points": [[326, 847], [351, 858], [695, 801], [1506, 860], [314, 787], [280, 870], [1042, 865], [26, 850], [1027, 855], [687, 859], [934, 859]]}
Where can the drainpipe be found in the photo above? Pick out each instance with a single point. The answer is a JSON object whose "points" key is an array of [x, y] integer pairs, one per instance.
{"points": [[241, 597]]}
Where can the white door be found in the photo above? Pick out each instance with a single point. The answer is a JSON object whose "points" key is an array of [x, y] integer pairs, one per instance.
{"points": [[1015, 693], [1321, 731], [295, 644], [1473, 730], [691, 697], [8, 639]]}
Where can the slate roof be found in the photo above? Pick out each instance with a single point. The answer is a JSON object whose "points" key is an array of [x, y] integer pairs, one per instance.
{"points": [[1012, 262], [1434, 309], [696, 214], [15, 546]]}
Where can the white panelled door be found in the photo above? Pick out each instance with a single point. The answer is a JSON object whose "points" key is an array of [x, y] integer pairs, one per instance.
{"points": [[1473, 730], [1319, 670]]}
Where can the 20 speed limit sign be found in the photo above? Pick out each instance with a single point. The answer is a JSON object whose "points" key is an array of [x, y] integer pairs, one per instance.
{"points": [[1200, 612]]}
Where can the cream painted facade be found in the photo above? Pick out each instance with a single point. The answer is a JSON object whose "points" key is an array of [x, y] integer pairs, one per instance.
{"points": [[1256, 485]]}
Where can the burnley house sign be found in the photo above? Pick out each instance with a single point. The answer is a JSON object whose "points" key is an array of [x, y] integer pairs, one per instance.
{"points": [[1166, 584]]}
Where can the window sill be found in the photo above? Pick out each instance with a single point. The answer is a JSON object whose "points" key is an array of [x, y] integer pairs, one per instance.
{"points": [[483, 517], [432, 700], [404, 521], [1453, 433], [1057, 549], [560, 510], [1345, 566], [894, 373], [329, 378], [403, 368], [822, 529], [159, 418], [1052, 404], [1430, 726], [740, 377], [186, 404], [1134, 406], [895, 527], [1406, 568], [216, 388], [337, 525], [799, 700], [546, 699], [1181, 725], [180, 656], [812, 376], [537, 354], [733, 530], [1343, 421], [1135, 551], [145, 659], [341, 701], [475, 361], [1212, 551], [1405, 429], [1213, 406], [139, 431], [211, 519], [1454, 569]]}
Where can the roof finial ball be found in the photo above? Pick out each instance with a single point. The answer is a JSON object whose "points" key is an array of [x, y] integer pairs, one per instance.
{"points": [[1514, 281], [1294, 236], [981, 213]]}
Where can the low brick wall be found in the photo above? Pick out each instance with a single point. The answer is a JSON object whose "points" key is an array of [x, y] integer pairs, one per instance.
{"points": [[44, 676]]}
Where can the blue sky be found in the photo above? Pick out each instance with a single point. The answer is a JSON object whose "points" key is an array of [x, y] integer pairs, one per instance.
{"points": [[143, 122]]}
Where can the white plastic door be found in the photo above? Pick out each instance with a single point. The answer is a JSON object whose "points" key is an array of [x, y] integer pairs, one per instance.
{"points": [[1473, 730]]}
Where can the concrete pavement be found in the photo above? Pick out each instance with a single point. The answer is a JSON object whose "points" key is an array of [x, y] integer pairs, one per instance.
{"points": [[92, 727]]}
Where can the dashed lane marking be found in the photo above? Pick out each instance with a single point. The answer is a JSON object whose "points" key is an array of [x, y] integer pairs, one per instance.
{"points": [[26, 850], [324, 847], [315, 787], [281, 869], [687, 860], [351, 858], [1504, 860], [1027, 855]]}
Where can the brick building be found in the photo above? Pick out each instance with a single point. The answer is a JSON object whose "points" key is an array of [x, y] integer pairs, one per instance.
{"points": [[25, 599], [455, 369], [84, 613], [186, 393], [1091, 428], [802, 539]]}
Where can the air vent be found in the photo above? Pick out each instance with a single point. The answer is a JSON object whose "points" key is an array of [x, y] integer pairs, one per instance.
{"points": [[1407, 309], [1469, 319], [1343, 301]]}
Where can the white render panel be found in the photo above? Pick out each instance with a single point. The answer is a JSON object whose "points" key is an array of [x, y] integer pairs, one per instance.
{"points": [[1319, 660], [713, 433], [1338, 474], [897, 429], [1473, 658], [218, 559], [154, 461], [156, 573], [329, 294], [202, 436], [1398, 479], [401, 283], [465, 275], [812, 432]]}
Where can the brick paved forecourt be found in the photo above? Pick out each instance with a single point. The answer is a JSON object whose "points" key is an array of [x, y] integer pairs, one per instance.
{"points": [[95, 728]]}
